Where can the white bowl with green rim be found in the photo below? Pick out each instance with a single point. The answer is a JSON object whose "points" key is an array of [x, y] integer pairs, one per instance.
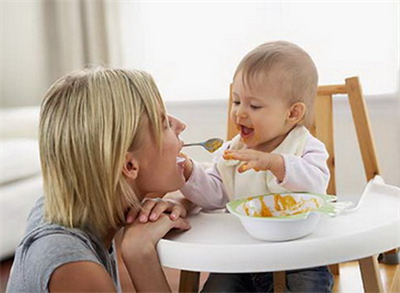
{"points": [[265, 217]]}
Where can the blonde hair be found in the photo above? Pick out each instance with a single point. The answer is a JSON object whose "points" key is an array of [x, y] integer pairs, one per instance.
{"points": [[89, 120], [298, 74]]}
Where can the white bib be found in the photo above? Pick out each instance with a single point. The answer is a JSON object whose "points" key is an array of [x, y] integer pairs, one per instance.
{"points": [[252, 183]]}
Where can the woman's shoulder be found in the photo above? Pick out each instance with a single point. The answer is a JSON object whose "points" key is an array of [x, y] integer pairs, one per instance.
{"points": [[47, 247], [87, 276], [48, 234], [41, 252]]}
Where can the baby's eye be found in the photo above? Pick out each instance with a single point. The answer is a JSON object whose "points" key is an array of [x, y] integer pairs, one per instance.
{"points": [[236, 103], [255, 107]]}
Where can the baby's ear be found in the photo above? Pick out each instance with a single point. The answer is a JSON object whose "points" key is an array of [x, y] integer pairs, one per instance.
{"points": [[131, 167], [296, 113]]}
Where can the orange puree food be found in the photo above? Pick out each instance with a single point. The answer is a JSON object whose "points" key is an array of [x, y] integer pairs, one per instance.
{"points": [[243, 168], [214, 145], [228, 156], [265, 211], [284, 205]]}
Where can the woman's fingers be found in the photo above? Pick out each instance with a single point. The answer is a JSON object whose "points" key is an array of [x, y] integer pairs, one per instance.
{"points": [[167, 224], [153, 208], [147, 208], [178, 211], [181, 224], [161, 207], [129, 217]]}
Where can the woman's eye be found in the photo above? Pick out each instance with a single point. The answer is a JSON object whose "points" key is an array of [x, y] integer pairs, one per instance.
{"points": [[168, 123]]}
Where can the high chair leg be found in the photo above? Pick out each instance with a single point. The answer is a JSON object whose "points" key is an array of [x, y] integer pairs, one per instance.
{"points": [[395, 286], [334, 269], [189, 282], [279, 282], [370, 274]]}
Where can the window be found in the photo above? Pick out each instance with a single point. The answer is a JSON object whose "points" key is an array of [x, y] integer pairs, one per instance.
{"points": [[193, 48]]}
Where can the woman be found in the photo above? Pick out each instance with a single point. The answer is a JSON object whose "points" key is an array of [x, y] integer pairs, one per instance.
{"points": [[105, 142]]}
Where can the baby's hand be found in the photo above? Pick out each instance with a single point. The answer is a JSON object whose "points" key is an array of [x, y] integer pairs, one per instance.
{"points": [[152, 209], [257, 160], [188, 166]]}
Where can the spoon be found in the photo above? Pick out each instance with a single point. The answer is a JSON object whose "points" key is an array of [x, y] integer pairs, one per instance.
{"points": [[210, 145]]}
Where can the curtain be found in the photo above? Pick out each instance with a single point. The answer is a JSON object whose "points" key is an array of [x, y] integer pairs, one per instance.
{"points": [[81, 33]]}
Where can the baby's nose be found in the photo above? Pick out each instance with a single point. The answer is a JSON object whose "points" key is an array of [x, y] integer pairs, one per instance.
{"points": [[241, 114]]}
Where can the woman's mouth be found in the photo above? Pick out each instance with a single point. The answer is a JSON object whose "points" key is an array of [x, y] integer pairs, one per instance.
{"points": [[181, 162]]}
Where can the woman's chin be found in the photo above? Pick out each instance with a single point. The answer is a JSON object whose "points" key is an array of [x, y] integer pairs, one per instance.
{"points": [[180, 183], [176, 185]]}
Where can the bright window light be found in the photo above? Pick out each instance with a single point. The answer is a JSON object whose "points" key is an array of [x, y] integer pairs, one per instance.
{"points": [[193, 48]]}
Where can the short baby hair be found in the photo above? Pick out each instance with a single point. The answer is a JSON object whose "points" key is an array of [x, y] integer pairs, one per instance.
{"points": [[89, 120], [299, 76]]}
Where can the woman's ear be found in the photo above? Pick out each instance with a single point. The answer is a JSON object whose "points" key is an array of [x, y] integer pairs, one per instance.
{"points": [[296, 113], [131, 167]]}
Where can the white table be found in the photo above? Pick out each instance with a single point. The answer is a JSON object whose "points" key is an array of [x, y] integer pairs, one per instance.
{"points": [[217, 242]]}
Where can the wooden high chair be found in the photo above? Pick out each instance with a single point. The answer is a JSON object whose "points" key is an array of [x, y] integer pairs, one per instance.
{"points": [[323, 130]]}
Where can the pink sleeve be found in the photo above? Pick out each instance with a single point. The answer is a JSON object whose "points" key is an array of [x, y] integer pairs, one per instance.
{"points": [[310, 172], [205, 188]]}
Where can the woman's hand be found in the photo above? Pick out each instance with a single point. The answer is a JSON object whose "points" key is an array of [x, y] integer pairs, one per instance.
{"points": [[138, 249], [151, 232], [153, 208]]}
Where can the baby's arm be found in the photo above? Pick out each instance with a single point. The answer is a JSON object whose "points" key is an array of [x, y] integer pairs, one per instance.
{"points": [[309, 172], [306, 173], [204, 187]]}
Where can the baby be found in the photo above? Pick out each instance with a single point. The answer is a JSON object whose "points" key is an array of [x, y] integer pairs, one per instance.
{"points": [[273, 90]]}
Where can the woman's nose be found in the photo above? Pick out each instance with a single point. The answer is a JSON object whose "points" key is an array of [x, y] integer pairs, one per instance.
{"points": [[180, 126]]}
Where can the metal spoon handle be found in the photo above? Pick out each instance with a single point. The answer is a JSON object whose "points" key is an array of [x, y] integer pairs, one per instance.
{"points": [[192, 144]]}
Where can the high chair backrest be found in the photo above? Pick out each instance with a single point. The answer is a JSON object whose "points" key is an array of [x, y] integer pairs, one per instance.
{"points": [[322, 127]]}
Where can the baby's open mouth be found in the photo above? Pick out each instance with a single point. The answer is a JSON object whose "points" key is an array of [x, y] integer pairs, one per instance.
{"points": [[246, 131]]}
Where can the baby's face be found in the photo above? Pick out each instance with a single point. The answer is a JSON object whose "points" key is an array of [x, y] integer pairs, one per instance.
{"points": [[260, 112]]}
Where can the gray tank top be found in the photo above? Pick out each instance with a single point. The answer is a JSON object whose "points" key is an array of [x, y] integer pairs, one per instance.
{"points": [[45, 247]]}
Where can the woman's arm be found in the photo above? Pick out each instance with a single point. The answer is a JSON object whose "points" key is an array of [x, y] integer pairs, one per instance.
{"points": [[81, 276], [123, 274], [139, 252]]}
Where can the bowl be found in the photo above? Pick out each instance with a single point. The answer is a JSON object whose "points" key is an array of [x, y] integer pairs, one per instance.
{"points": [[282, 217]]}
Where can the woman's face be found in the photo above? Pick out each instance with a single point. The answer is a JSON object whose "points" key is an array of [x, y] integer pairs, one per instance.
{"points": [[159, 172]]}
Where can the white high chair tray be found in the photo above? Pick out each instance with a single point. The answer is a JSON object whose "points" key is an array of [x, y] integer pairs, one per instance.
{"points": [[217, 242]]}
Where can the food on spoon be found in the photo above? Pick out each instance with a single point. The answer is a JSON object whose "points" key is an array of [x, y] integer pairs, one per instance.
{"points": [[213, 144]]}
